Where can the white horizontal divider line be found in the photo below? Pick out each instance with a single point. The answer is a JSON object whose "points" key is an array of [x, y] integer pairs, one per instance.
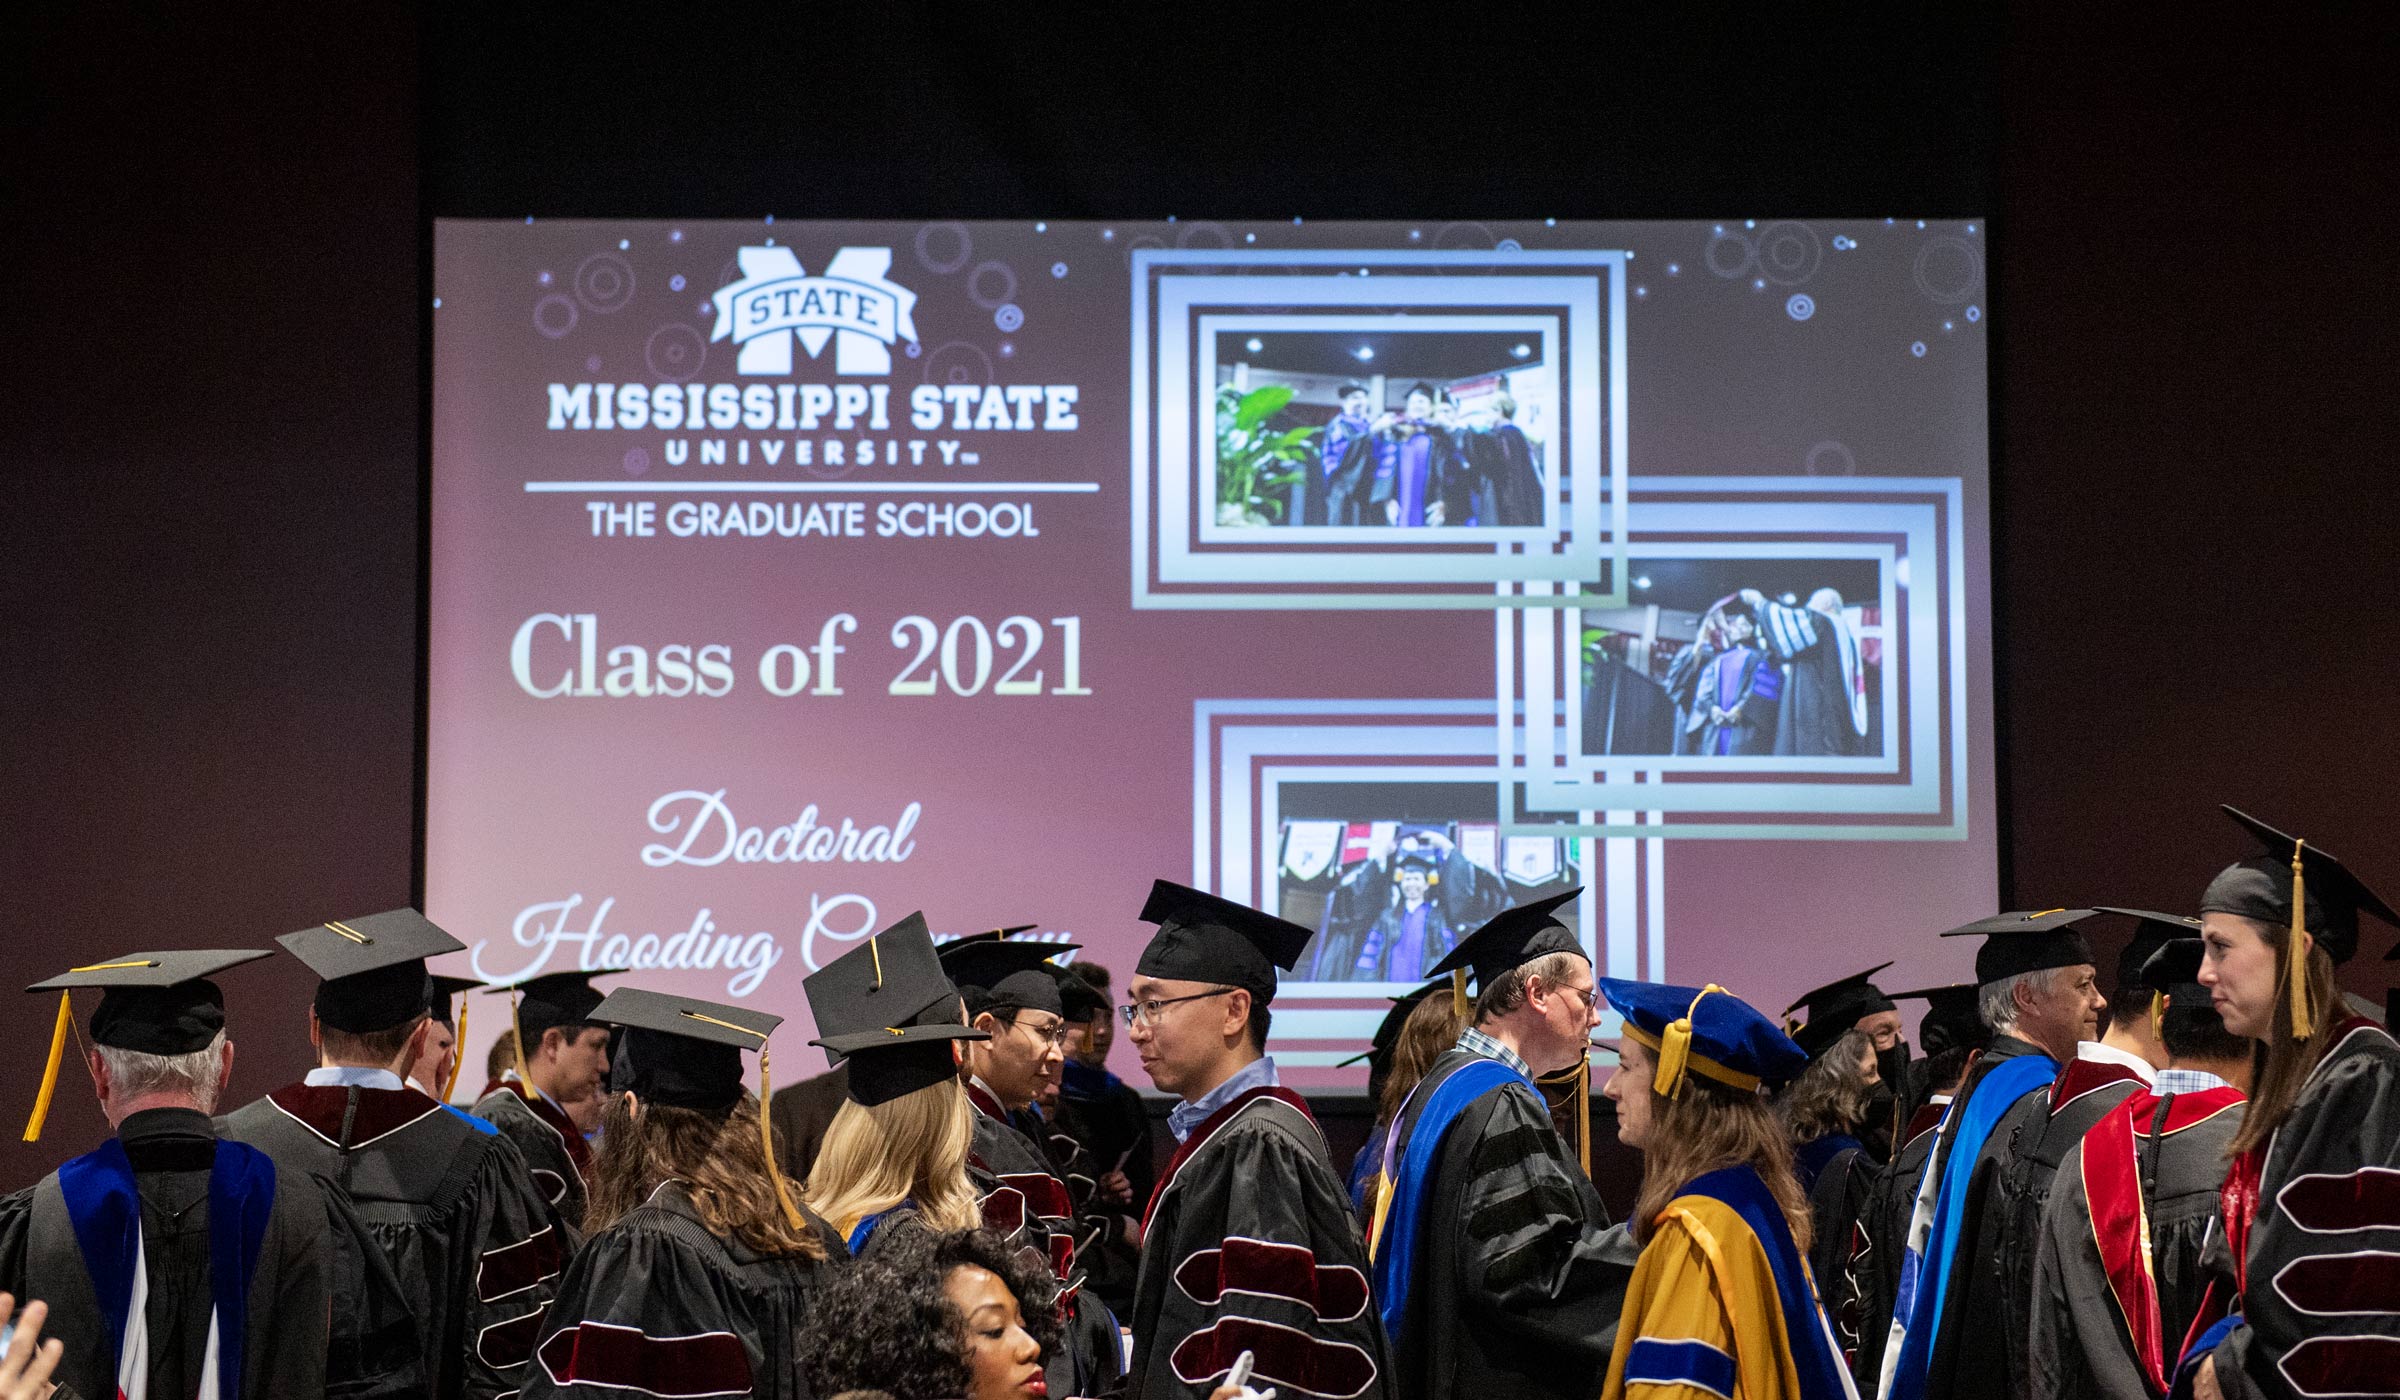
{"points": [[835, 487]]}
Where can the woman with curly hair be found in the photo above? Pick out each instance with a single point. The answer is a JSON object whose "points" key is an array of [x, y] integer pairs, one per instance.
{"points": [[935, 1315], [699, 1266], [1721, 1301]]}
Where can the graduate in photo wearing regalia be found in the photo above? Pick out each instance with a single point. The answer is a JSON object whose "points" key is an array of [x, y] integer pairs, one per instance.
{"points": [[1248, 1243], [698, 1271], [2035, 985], [2116, 1279], [2037, 1133], [1721, 1303], [178, 1264], [561, 1056], [475, 1245], [2309, 1214], [1494, 1267]]}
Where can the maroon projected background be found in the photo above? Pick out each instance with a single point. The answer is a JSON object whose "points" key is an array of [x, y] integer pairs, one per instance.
{"points": [[786, 578]]}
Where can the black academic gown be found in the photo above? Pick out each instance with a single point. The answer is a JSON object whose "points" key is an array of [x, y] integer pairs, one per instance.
{"points": [[657, 1305], [1109, 1122], [800, 1116], [1814, 712], [1868, 1289], [1503, 481], [1516, 1289], [552, 1146], [2078, 1348], [475, 1246], [321, 1321], [1837, 1198], [1970, 1349], [1250, 1246], [1025, 1201], [2026, 1148], [2320, 1309]]}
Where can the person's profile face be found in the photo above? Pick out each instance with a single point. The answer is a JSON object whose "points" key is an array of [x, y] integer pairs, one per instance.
{"points": [[1739, 628], [1883, 1028], [583, 1064], [1025, 1055], [1629, 1089], [1003, 1360], [2237, 965]]}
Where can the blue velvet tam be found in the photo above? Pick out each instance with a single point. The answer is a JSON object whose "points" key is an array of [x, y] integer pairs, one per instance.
{"points": [[1706, 1031]]}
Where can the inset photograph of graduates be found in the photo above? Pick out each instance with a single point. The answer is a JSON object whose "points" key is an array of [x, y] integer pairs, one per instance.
{"points": [[1391, 895], [1396, 427], [1738, 658]]}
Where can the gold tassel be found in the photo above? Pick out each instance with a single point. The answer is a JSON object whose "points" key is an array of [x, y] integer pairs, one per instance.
{"points": [[1675, 1046], [58, 1050], [2304, 1021], [766, 1143], [2158, 1017], [1583, 1113], [1458, 992], [875, 953], [458, 1051]]}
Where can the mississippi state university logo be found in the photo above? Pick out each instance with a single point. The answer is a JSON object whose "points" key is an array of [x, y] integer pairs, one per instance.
{"points": [[852, 304]]}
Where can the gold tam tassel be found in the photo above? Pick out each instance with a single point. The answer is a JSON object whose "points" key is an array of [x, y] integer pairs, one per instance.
{"points": [[1458, 991], [766, 1143], [2304, 1021], [58, 1050], [458, 1050], [1583, 1113], [1675, 1046], [2158, 1017]]}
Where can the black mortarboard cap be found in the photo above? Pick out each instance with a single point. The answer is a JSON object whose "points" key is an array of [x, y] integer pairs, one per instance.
{"points": [[1951, 1017], [678, 1051], [2026, 942], [2152, 932], [1836, 1007], [372, 969], [1002, 974], [887, 1008], [2261, 888], [1512, 938], [156, 1003], [1080, 1000], [2173, 971], [1202, 938], [1387, 1032], [555, 999], [444, 988]]}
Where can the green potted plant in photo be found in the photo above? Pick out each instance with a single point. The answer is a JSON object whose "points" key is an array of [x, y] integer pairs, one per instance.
{"points": [[1255, 465]]}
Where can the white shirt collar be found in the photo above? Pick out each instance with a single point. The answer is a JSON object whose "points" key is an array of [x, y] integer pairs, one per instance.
{"points": [[362, 1076], [2107, 1054]]}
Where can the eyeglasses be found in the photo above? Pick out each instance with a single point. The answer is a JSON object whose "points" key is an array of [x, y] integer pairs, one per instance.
{"points": [[1587, 993], [1054, 1035], [1148, 1013]]}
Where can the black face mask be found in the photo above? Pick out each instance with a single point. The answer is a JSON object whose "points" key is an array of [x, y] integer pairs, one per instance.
{"points": [[1892, 1064]]}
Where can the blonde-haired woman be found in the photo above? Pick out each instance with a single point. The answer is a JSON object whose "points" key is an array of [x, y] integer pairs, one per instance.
{"points": [[2307, 1195], [1721, 1302]]}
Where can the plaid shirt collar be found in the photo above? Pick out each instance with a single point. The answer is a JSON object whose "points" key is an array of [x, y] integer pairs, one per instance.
{"points": [[1475, 1042]]}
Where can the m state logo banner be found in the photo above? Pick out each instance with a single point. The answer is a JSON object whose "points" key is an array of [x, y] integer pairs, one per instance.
{"points": [[853, 304]]}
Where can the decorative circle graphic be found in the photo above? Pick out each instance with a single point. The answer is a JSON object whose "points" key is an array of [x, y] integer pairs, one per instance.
{"points": [[1788, 252], [730, 273], [604, 283], [1508, 245], [591, 365], [1136, 245], [823, 470], [1974, 313], [554, 315], [915, 349], [675, 283], [637, 461], [1462, 237], [1801, 306], [1730, 255], [1948, 269], [944, 248], [1058, 269], [1009, 317], [674, 352], [1830, 459], [957, 363], [978, 285], [1193, 235], [1917, 349]]}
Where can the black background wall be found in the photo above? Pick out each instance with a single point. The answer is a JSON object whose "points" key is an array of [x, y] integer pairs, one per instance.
{"points": [[209, 457]]}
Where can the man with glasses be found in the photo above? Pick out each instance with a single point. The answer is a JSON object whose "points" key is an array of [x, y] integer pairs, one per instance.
{"points": [[1248, 1244], [1494, 1265]]}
